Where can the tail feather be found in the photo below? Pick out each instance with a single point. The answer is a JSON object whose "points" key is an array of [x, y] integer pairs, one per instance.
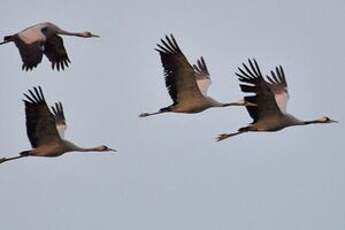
{"points": [[165, 109], [25, 153], [245, 129], [8, 38]]}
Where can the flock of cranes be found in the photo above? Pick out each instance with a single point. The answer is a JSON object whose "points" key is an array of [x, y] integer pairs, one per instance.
{"points": [[187, 86]]}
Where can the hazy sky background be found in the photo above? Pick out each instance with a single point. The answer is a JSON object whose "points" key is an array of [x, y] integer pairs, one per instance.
{"points": [[169, 172]]}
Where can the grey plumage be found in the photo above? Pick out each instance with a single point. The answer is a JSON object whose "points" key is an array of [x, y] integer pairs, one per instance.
{"points": [[45, 129], [183, 81], [43, 38], [270, 97]]}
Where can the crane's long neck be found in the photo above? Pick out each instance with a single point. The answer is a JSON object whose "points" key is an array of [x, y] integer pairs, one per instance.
{"points": [[311, 122], [237, 103], [70, 147], [92, 149], [81, 149], [64, 32], [289, 120], [214, 103], [292, 121]]}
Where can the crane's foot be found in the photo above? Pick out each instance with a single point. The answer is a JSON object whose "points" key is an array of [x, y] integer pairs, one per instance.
{"points": [[2, 160], [223, 136], [144, 115]]}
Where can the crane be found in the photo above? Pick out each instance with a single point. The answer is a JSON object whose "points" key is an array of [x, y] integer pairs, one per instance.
{"points": [[43, 38], [187, 85], [271, 97], [46, 129]]}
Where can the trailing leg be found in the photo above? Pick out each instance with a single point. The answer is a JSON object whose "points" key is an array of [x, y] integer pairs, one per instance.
{"points": [[240, 131], [162, 110], [21, 155]]}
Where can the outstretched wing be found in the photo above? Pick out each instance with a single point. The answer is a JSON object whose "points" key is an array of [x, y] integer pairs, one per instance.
{"points": [[56, 52], [264, 96], [278, 85], [179, 74], [40, 122], [60, 120], [202, 76], [31, 54]]}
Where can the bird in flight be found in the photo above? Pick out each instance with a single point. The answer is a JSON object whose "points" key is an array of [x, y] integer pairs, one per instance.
{"points": [[43, 38], [46, 129], [187, 85], [271, 97]]}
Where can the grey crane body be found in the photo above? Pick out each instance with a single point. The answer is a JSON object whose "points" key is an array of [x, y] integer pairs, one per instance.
{"points": [[56, 149], [197, 105], [53, 149], [276, 123], [271, 97], [45, 129], [43, 38], [187, 85]]}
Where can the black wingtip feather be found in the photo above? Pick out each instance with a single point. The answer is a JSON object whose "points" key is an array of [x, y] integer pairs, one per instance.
{"points": [[168, 46], [36, 96]]}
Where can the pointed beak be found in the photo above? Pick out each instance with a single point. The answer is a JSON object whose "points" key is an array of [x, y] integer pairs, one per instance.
{"points": [[334, 121], [112, 150], [95, 36]]}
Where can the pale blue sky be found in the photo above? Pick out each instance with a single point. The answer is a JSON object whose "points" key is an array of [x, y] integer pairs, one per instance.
{"points": [[169, 172]]}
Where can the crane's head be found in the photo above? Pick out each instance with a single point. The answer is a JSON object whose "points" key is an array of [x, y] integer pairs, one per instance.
{"points": [[104, 148], [326, 120], [88, 35]]}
